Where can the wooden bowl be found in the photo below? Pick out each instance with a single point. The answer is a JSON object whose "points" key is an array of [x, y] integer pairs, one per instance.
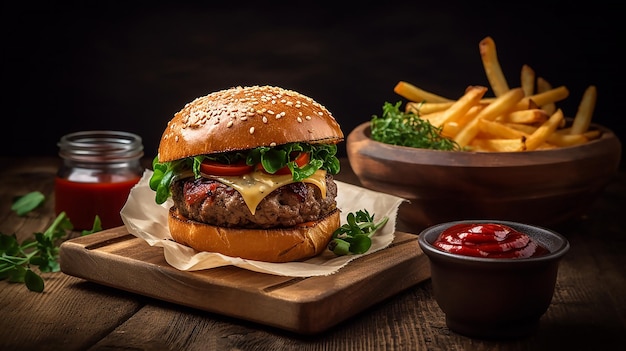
{"points": [[544, 187]]}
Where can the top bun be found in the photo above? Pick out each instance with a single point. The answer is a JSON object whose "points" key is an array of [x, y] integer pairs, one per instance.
{"points": [[242, 118]]}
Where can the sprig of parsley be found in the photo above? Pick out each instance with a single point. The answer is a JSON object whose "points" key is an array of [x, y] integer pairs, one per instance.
{"points": [[355, 237], [41, 251], [408, 129]]}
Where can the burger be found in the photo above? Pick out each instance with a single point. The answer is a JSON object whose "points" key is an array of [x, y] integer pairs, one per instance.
{"points": [[250, 171]]}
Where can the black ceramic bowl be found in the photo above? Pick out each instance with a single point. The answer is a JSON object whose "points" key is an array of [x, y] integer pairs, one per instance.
{"points": [[494, 298]]}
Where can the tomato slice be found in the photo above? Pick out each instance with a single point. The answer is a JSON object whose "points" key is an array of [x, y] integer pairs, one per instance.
{"points": [[223, 169], [302, 159]]}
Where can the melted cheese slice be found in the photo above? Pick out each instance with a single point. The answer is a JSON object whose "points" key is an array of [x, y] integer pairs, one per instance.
{"points": [[255, 186]]}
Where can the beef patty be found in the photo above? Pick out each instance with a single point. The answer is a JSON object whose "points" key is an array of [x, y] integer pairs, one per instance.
{"points": [[209, 201]]}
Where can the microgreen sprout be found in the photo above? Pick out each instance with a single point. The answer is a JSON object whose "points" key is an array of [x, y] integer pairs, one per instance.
{"points": [[355, 237]]}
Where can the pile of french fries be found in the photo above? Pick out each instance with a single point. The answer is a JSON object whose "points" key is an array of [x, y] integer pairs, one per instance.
{"points": [[515, 119]]}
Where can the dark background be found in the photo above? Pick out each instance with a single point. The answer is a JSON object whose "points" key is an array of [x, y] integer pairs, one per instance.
{"points": [[69, 66]]}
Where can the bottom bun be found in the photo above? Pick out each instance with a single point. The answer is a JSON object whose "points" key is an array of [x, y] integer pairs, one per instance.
{"points": [[269, 245]]}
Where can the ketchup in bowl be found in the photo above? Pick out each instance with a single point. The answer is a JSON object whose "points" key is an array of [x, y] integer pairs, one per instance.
{"points": [[488, 240]]}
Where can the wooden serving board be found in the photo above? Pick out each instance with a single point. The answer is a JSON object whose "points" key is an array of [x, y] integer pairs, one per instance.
{"points": [[303, 305]]}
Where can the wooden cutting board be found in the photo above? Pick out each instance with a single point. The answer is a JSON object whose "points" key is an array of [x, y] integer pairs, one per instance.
{"points": [[303, 305]]}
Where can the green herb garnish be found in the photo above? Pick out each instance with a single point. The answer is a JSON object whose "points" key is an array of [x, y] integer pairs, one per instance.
{"points": [[17, 258], [24, 204], [354, 237], [408, 129]]}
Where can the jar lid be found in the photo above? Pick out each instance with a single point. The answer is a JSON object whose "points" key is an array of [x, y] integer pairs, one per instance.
{"points": [[101, 146]]}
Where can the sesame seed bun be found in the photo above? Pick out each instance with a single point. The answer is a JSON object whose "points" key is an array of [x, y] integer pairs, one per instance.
{"points": [[242, 118]]}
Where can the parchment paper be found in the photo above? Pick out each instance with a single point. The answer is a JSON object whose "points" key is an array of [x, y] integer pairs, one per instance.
{"points": [[147, 220]]}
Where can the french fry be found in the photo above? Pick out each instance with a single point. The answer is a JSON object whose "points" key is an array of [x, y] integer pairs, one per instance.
{"points": [[493, 70], [503, 104], [427, 107], [529, 116], [562, 140], [558, 138], [497, 145], [543, 86], [542, 133], [435, 118], [527, 80], [471, 98], [592, 134], [499, 130], [413, 93], [452, 128], [541, 99], [458, 109], [582, 120]]}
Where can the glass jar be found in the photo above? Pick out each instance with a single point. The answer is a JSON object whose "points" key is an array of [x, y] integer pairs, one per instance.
{"points": [[99, 169]]}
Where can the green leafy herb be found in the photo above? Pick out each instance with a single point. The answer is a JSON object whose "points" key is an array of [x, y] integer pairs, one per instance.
{"points": [[17, 258], [97, 226], [24, 204], [408, 129], [323, 156], [164, 173], [275, 158], [354, 237]]}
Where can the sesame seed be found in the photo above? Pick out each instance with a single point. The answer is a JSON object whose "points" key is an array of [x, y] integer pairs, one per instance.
{"points": [[299, 119], [264, 119], [272, 144], [308, 117], [251, 130], [230, 124], [270, 112]]}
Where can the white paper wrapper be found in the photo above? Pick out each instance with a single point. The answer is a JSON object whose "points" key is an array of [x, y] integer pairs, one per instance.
{"points": [[146, 219]]}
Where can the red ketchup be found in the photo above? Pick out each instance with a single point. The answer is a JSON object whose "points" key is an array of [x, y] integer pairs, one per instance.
{"points": [[98, 171], [488, 240], [83, 201]]}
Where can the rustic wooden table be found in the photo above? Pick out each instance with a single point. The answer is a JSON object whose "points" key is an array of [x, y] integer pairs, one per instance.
{"points": [[588, 311]]}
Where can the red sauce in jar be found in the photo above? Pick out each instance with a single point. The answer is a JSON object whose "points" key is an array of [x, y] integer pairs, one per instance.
{"points": [[488, 240], [83, 201], [98, 171]]}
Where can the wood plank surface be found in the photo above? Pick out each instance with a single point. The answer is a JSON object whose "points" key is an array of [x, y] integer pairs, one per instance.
{"points": [[588, 311], [304, 305]]}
